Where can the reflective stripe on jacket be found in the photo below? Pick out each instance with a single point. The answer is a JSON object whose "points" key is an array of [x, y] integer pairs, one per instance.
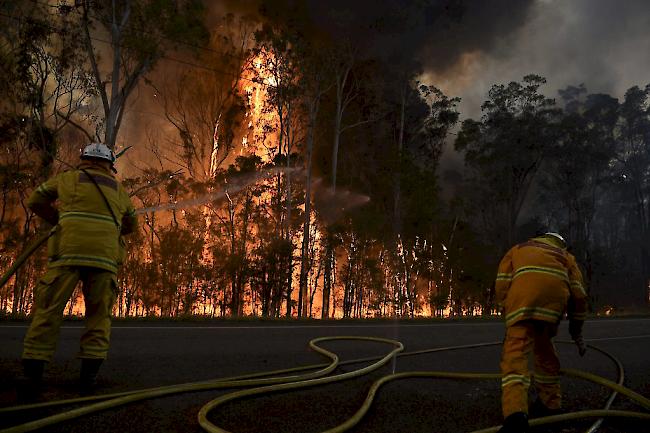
{"points": [[537, 280], [86, 234]]}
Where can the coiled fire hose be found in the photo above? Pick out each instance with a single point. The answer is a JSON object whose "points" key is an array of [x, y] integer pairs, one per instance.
{"points": [[287, 379]]}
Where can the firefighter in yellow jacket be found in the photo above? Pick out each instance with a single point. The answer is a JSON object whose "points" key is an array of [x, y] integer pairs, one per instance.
{"points": [[92, 212], [537, 282]]}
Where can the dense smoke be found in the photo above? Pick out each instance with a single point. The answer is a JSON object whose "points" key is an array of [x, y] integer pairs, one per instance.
{"points": [[596, 42], [435, 32], [465, 46]]}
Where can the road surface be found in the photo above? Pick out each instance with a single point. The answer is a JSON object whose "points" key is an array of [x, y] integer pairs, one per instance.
{"points": [[155, 353]]}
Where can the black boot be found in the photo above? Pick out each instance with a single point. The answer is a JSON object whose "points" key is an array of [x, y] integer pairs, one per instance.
{"points": [[30, 385], [538, 410], [88, 375], [515, 423]]}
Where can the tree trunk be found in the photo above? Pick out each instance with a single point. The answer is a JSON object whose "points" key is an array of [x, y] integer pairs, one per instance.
{"points": [[341, 80], [327, 276], [306, 233], [289, 241]]}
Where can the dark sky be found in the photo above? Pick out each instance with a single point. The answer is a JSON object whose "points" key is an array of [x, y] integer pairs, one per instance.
{"points": [[435, 32], [468, 45]]}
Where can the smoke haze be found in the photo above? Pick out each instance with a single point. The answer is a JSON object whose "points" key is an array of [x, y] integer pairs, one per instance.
{"points": [[465, 46], [601, 43]]}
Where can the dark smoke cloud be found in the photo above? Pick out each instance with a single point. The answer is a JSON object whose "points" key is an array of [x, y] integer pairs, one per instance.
{"points": [[467, 45], [435, 32], [601, 43], [476, 27]]}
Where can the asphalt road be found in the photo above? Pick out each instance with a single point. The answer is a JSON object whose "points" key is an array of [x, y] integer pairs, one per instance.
{"points": [[151, 354]]}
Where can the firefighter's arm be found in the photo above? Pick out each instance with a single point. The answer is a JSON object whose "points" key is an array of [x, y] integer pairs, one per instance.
{"points": [[129, 219], [504, 278], [577, 308], [42, 199], [129, 223]]}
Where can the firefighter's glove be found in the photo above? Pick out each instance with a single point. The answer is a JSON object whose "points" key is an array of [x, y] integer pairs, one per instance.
{"points": [[575, 328], [580, 342], [46, 211]]}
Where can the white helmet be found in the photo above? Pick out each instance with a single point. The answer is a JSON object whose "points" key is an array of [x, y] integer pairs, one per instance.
{"points": [[557, 237], [98, 151]]}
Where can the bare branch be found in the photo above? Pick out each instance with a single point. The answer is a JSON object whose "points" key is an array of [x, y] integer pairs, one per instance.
{"points": [[157, 182], [67, 119]]}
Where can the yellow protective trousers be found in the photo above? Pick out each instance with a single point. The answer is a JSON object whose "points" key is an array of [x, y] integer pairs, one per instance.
{"points": [[521, 339], [50, 298]]}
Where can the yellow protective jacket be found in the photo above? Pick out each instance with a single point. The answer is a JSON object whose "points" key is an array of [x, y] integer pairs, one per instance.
{"points": [[537, 280], [85, 234]]}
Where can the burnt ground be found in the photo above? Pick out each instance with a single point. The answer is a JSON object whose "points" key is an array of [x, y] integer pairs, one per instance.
{"points": [[157, 353]]}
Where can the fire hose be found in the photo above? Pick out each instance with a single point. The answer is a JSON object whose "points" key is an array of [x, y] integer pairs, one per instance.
{"points": [[288, 379], [24, 256]]}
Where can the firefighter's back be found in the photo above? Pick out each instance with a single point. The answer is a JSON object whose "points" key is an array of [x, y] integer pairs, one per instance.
{"points": [[88, 232], [539, 288]]}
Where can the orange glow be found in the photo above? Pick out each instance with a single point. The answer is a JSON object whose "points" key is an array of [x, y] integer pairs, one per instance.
{"points": [[461, 76], [259, 136], [255, 84]]}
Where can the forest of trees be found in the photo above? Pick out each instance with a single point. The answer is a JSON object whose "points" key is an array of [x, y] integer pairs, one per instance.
{"points": [[293, 174]]}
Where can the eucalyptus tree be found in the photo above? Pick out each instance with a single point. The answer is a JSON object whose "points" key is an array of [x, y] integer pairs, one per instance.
{"points": [[632, 166], [45, 80], [355, 105], [424, 127], [504, 150], [125, 39], [44, 86], [280, 71], [577, 173], [316, 80], [208, 110]]}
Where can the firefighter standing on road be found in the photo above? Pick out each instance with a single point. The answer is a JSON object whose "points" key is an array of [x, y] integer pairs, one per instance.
{"points": [[537, 282], [93, 211]]}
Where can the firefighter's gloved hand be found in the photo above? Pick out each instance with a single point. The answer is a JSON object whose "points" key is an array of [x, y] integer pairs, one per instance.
{"points": [[575, 328], [580, 342], [46, 211]]}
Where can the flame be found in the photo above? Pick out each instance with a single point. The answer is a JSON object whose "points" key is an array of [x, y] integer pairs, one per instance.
{"points": [[256, 139], [255, 83], [214, 159]]}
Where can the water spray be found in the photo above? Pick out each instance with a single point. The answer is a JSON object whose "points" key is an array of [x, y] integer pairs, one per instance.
{"points": [[332, 205], [231, 187], [234, 186]]}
